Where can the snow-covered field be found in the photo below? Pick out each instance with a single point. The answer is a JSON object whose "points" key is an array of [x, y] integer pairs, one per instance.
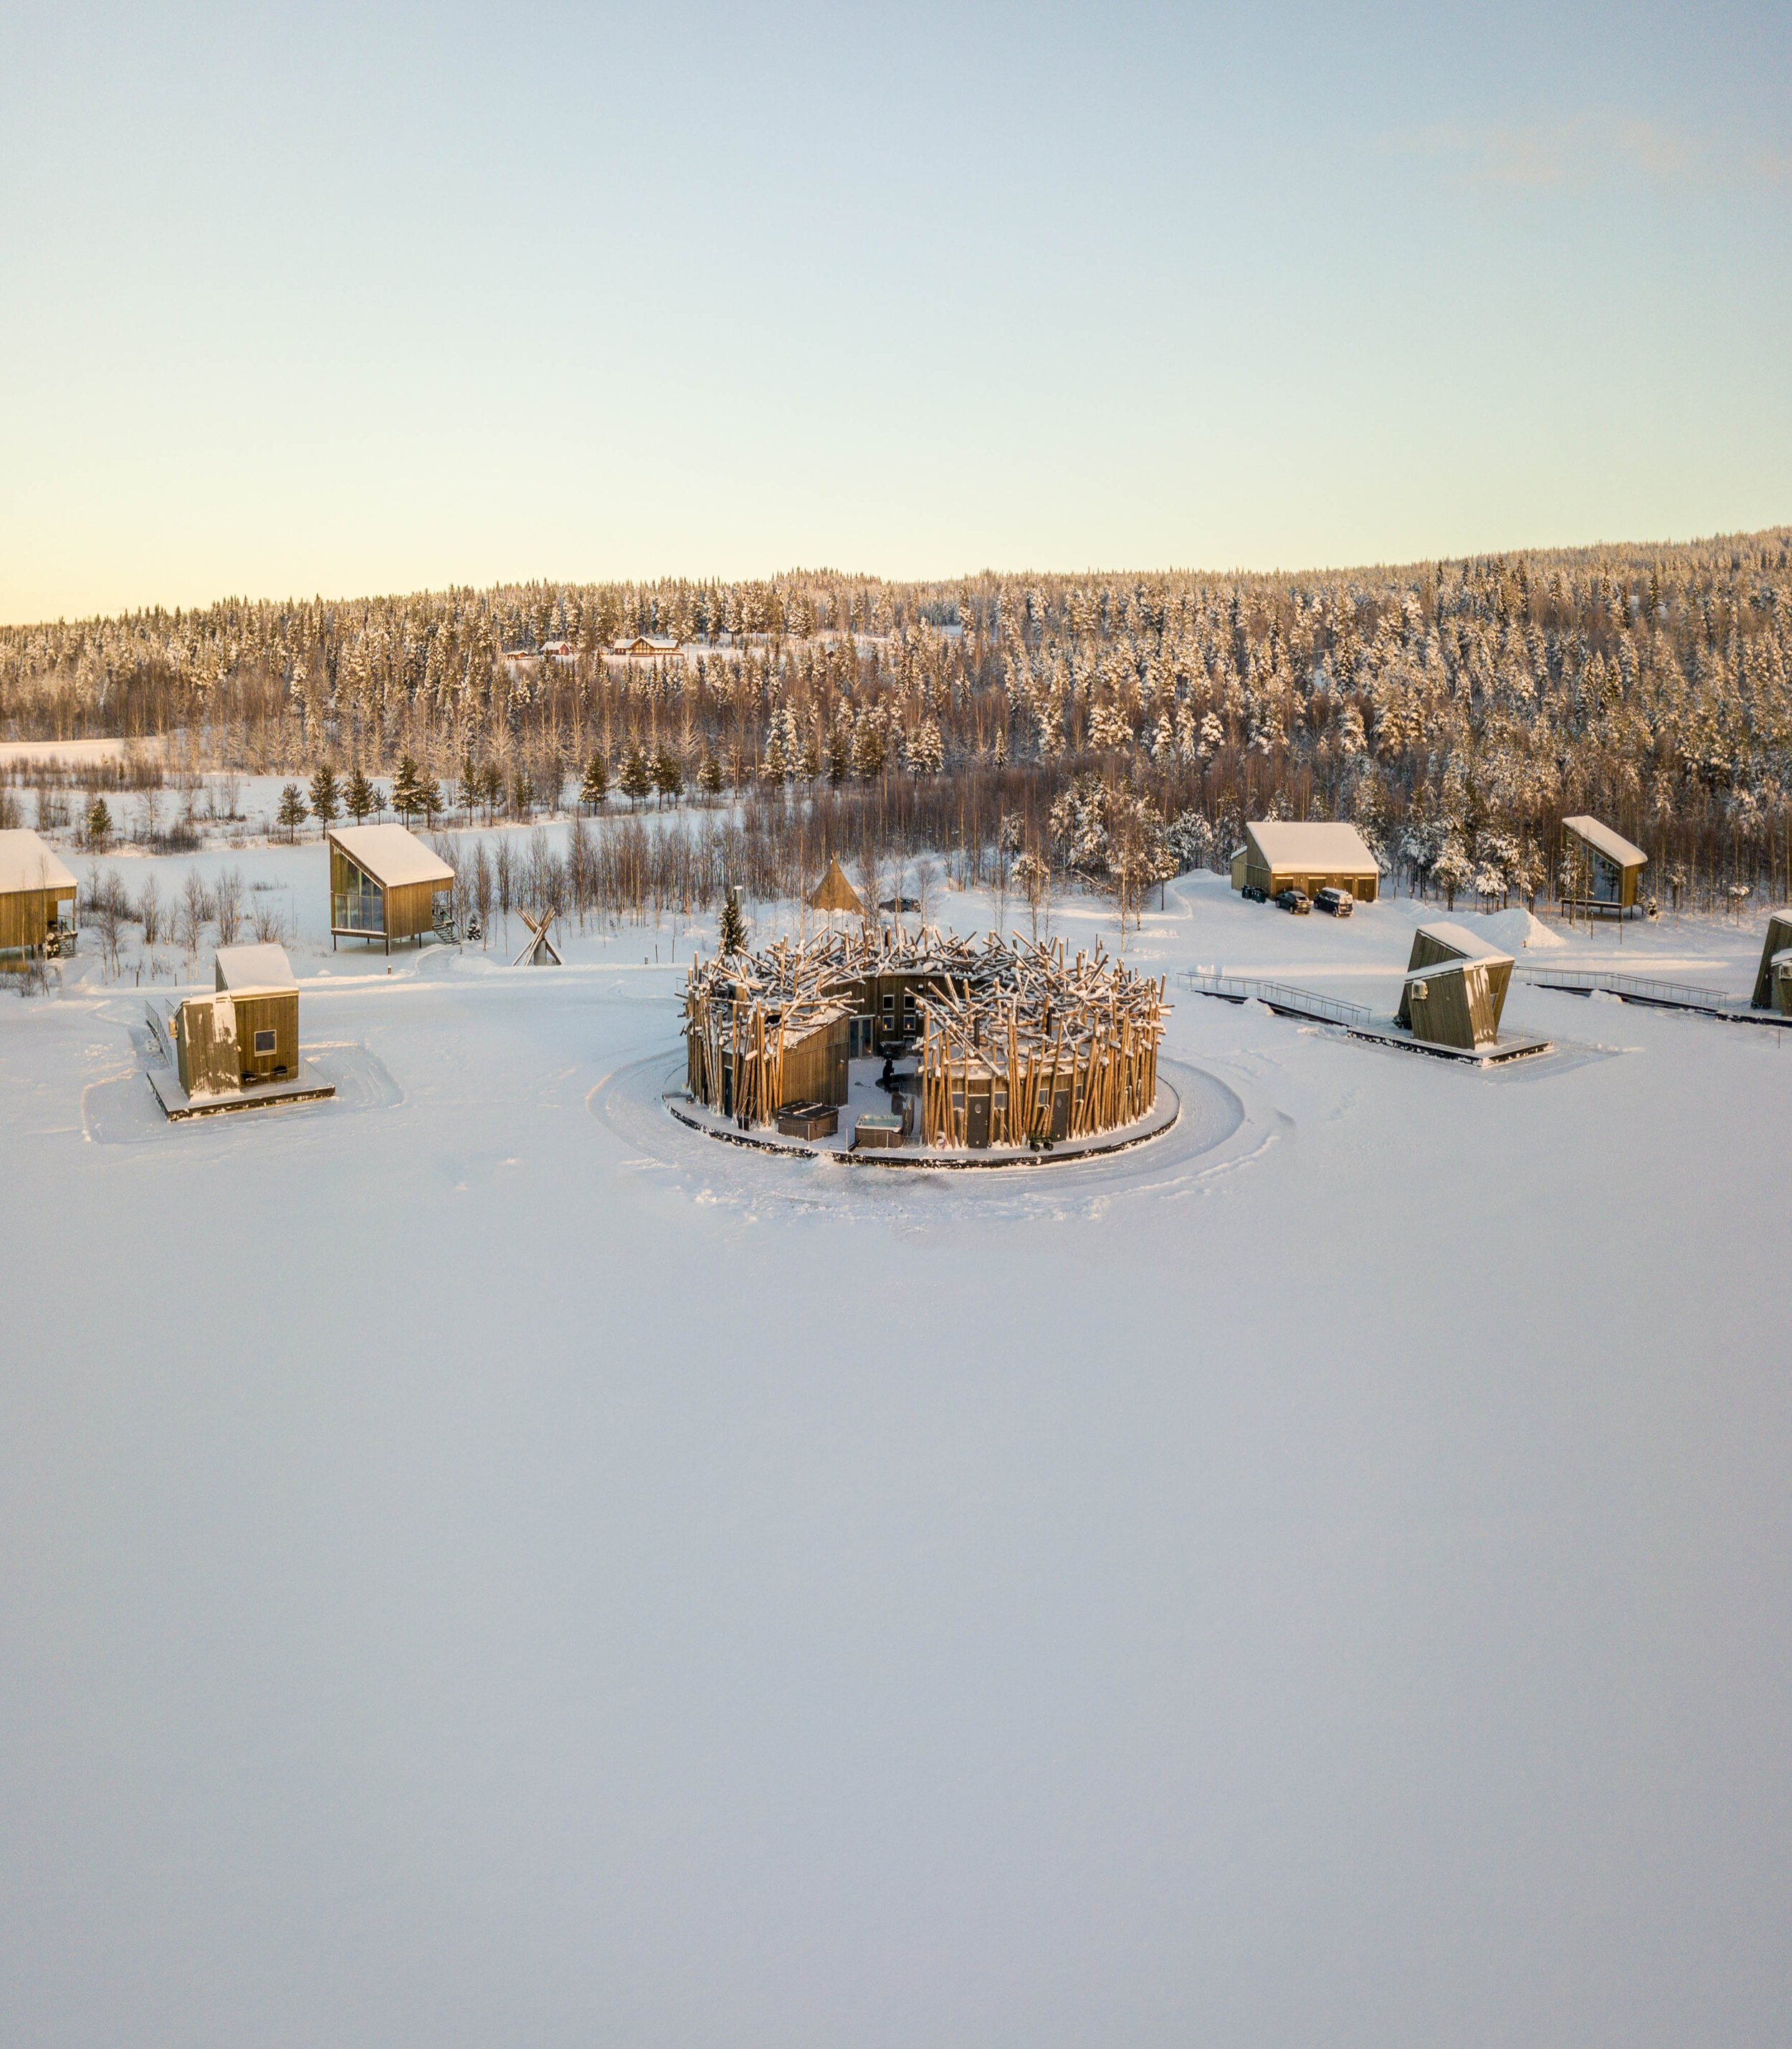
{"points": [[482, 1564]]}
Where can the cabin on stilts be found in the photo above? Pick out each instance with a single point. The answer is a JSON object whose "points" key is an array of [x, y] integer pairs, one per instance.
{"points": [[1773, 981], [385, 884], [1603, 869], [834, 892], [37, 896], [1013, 1043], [1454, 990]]}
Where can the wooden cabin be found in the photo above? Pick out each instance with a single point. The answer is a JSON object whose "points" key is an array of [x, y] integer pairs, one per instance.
{"points": [[37, 894], [385, 884], [834, 892], [645, 643], [246, 1032], [1773, 981], [1608, 869], [1454, 990], [1288, 854]]}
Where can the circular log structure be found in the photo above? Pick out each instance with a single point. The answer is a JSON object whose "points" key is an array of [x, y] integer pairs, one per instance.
{"points": [[1014, 1044]]}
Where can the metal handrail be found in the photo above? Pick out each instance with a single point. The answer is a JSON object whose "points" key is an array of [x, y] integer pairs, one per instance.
{"points": [[1578, 980], [1279, 996]]}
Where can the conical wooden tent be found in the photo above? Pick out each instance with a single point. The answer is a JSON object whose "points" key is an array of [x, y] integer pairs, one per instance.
{"points": [[834, 892]]}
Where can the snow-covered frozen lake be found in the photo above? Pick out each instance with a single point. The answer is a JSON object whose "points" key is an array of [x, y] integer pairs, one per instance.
{"points": [[476, 1569]]}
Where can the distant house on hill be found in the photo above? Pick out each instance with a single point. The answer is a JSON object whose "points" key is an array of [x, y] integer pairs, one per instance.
{"points": [[1284, 853], [1773, 982], [1454, 990], [385, 884], [37, 895], [1606, 869], [645, 643]]}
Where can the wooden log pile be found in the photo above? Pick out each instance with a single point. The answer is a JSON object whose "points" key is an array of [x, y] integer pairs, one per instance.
{"points": [[1021, 1022]]}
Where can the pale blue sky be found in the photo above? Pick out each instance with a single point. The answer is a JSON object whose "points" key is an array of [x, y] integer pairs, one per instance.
{"points": [[367, 298]]}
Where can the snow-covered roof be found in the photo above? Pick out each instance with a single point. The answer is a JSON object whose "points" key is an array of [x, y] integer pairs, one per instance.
{"points": [[251, 970], [390, 854], [1458, 939], [27, 862], [1324, 849], [1603, 840]]}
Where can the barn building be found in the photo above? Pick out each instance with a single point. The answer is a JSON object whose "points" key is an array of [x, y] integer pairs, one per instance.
{"points": [[1286, 853], [1606, 869], [385, 884], [245, 1034], [37, 895], [1454, 990], [1773, 982]]}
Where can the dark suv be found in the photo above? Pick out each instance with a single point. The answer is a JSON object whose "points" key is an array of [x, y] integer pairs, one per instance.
{"points": [[1295, 900], [1338, 902]]}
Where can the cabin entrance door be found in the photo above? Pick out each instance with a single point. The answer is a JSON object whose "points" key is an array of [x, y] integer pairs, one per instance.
{"points": [[977, 1122]]}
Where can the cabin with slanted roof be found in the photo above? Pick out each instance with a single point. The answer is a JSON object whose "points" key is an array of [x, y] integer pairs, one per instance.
{"points": [[1773, 981], [1287, 854], [37, 896], [246, 1033], [1607, 869], [1454, 990], [385, 884]]}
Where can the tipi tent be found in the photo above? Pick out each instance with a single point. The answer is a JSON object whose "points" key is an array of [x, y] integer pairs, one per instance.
{"points": [[834, 892]]}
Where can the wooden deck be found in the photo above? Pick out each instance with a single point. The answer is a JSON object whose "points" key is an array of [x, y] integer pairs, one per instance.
{"points": [[304, 1086]]}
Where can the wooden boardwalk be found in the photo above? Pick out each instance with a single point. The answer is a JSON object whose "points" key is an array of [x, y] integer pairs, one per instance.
{"points": [[1682, 996], [1356, 1020]]}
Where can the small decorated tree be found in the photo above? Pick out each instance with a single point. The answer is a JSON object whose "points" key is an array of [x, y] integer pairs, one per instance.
{"points": [[731, 929]]}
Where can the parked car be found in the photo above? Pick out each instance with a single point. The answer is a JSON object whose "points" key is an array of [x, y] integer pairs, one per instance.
{"points": [[1253, 894], [1338, 902], [1296, 900]]}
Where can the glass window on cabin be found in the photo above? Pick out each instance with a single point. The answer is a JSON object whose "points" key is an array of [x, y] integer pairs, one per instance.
{"points": [[889, 1003], [264, 1042]]}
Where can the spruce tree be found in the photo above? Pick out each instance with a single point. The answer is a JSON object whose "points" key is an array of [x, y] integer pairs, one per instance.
{"points": [[99, 823], [293, 811], [709, 776], [636, 780], [407, 797], [668, 774], [359, 798], [731, 928], [595, 787], [326, 797]]}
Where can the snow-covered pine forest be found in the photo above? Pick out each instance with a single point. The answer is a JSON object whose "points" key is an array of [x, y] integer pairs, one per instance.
{"points": [[1122, 725]]}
